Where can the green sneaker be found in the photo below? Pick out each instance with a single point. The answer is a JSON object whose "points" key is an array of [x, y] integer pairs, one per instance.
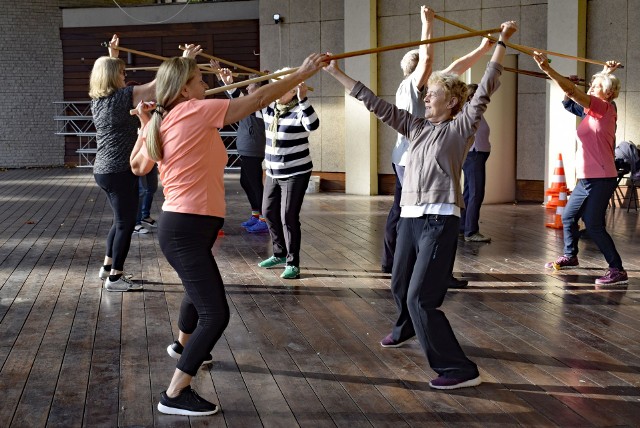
{"points": [[291, 272], [272, 261]]}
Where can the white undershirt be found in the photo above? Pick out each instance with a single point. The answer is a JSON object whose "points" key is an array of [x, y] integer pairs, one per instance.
{"points": [[414, 211]]}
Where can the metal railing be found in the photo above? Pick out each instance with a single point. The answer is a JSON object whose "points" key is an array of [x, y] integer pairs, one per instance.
{"points": [[75, 122]]}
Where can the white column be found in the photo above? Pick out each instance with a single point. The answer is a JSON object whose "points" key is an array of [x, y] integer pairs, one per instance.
{"points": [[566, 33], [361, 137]]}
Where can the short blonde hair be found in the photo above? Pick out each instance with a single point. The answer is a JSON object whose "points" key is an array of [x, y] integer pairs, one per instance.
{"points": [[105, 77], [609, 83], [453, 86], [172, 76], [409, 62]]}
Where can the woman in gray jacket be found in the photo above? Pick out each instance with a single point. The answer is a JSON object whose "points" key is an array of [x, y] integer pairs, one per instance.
{"points": [[430, 203]]}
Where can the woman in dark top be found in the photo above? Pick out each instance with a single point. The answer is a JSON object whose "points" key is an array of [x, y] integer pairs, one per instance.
{"points": [[116, 134]]}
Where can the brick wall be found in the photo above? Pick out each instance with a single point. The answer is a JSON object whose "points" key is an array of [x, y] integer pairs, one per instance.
{"points": [[31, 70]]}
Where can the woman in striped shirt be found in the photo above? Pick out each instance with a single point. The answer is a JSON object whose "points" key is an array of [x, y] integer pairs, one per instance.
{"points": [[288, 123]]}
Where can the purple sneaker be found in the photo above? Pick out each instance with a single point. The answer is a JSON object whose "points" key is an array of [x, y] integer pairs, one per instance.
{"points": [[388, 342], [442, 382], [563, 262], [252, 220], [613, 276], [258, 227]]}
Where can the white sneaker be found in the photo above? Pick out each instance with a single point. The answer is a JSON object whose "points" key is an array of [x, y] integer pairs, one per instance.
{"points": [[140, 229], [150, 222], [104, 274], [122, 284]]}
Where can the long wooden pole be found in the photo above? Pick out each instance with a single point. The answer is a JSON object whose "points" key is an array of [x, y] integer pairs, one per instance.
{"points": [[351, 54], [524, 49], [203, 67], [259, 73], [249, 81], [416, 43], [133, 51], [580, 82], [241, 67]]}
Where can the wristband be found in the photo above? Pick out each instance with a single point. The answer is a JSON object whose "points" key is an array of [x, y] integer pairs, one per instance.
{"points": [[501, 43]]}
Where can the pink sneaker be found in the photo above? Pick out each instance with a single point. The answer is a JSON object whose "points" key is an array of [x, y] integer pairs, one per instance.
{"points": [[563, 262], [613, 276], [388, 342], [442, 382]]}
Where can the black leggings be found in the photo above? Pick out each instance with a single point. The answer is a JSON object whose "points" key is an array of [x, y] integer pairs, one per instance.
{"points": [[122, 192], [251, 180], [186, 241]]}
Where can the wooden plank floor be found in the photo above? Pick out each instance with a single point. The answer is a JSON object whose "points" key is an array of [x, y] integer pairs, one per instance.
{"points": [[553, 349]]}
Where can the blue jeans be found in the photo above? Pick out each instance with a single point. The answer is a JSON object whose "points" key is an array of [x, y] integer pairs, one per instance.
{"points": [[474, 182], [146, 189], [589, 201]]}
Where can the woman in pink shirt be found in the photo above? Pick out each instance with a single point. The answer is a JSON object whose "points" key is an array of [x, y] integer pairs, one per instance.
{"points": [[180, 132], [595, 169]]}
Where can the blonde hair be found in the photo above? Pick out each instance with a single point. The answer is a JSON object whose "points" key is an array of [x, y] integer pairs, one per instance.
{"points": [[609, 83], [452, 85], [105, 77], [172, 76], [409, 62]]}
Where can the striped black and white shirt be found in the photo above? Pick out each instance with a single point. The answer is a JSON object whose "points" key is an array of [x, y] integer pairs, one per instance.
{"points": [[290, 154]]}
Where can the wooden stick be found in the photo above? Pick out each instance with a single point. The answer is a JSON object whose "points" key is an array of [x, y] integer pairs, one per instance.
{"points": [[417, 43], [561, 55], [249, 81], [133, 51], [524, 49], [495, 39], [580, 82], [351, 54], [242, 67], [204, 68]]}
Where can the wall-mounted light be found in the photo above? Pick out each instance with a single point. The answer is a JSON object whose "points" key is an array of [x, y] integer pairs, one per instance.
{"points": [[277, 18]]}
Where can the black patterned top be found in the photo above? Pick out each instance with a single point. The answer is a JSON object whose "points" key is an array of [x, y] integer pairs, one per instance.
{"points": [[117, 131]]}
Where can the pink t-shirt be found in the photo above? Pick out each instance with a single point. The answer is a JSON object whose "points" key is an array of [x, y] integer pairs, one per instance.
{"points": [[597, 135], [193, 158]]}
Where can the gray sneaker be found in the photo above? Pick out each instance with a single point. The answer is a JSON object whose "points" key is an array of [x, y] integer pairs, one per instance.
{"points": [[104, 274], [122, 284], [477, 237]]}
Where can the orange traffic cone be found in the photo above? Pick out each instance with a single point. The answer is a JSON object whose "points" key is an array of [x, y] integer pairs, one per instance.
{"points": [[557, 218], [558, 183]]}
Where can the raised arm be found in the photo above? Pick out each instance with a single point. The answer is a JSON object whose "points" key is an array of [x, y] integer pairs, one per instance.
{"points": [[464, 63], [567, 86], [425, 52], [244, 106], [610, 66]]}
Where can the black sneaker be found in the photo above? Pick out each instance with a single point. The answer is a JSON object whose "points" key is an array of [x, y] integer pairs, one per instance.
{"points": [[187, 403], [175, 351], [457, 283]]}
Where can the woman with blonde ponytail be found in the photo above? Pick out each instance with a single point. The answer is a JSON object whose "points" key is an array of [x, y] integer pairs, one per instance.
{"points": [[180, 132]]}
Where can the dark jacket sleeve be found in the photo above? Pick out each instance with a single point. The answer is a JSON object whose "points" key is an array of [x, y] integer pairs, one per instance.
{"points": [[573, 107], [400, 120]]}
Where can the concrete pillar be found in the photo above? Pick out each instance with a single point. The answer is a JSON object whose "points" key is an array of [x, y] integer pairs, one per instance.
{"points": [[361, 145], [566, 33]]}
